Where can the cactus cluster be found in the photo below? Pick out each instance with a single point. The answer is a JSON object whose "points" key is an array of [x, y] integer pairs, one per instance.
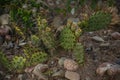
{"points": [[98, 21], [45, 34], [38, 57], [18, 63], [79, 53], [67, 38], [34, 55]]}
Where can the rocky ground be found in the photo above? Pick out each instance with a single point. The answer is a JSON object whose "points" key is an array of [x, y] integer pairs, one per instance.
{"points": [[100, 47], [101, 50]]}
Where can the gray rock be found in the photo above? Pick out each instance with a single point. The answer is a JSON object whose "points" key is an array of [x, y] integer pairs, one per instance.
{"points": [[116, 35], [38, 71], [40, 68], [87, 78], [105, 44], [20, 77], [8, 77], [98, 39], [22, 44], [75, 20], [4, 19], [61, 61], [24, 77], [73, 11], [72, 75], [60, 73]]}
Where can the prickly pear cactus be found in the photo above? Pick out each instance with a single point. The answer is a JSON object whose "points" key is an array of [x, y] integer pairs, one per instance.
{"points": [[18, 63], [79, 53], [48, 40], [38, 57], [67, 39], [98, 21]]}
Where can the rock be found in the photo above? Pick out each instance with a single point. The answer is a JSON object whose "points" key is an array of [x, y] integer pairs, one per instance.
{"points": [[73, 11], [91, 33], [101, 70], [114, 69], [38, 71], [20, 77], [87, 78], [61, 61], [4, 19], [57, 2], [23, 77], [8, 77], [54, 69], [70, 65], [22, 43], [40, 68], [60, 73], [34, 11], [74, 22], [104, 44], [97, 38], [72, 75], [116, 35], [29, 70]]}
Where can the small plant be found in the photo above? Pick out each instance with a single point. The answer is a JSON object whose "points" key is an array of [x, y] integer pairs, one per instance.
{"points": [[98, 21], [4, 61], [38, 57], [67, 38], [79, 53], [18, 63], [48, 40], [45, 34]]}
